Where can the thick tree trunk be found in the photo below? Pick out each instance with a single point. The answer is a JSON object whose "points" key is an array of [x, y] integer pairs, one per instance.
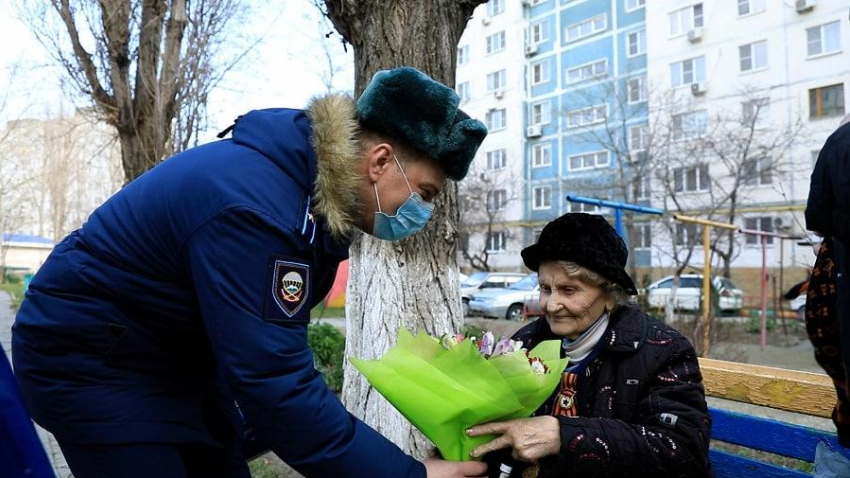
{"points": [[414, 283], [141, 150]]}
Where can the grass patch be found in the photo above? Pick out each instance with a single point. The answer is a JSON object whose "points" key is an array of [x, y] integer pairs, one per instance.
{"points": [[16, 290]]}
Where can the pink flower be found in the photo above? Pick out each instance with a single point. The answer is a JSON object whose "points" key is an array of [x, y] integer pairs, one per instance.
{"points": [[506, 346], [485, 346]]}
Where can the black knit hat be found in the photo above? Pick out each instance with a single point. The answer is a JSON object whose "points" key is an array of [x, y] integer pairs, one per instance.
{"points": [[409, 105], [587, 240]]}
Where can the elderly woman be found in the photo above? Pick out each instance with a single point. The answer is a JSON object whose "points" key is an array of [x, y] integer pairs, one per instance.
{"points": [[631, 401]]}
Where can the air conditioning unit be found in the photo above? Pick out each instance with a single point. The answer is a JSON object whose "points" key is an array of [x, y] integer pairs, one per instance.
{"points": [[698, 89], [534, 131], [530, 50], [781, 222], [695, 35], [485, 21], [499, 94], [804, 6], [526, 3]]}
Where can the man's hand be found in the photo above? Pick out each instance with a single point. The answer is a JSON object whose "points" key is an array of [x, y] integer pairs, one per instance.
{"points": [[530, 438], [449, 469]]}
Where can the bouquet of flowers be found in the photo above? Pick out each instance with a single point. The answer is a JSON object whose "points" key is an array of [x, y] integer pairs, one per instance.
{"points": [[444, 386]]}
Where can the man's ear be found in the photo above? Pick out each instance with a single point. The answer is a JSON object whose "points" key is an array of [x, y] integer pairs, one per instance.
{"points": [[379, 157]]}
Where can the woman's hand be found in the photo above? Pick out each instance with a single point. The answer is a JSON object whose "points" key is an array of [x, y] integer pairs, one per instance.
{"points": [[530, 438]]}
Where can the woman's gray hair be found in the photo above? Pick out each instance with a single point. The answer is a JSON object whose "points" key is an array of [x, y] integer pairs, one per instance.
{"points": [[617, 293]]}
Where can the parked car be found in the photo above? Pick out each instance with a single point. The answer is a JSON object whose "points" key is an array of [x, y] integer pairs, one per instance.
{"points": [[798, 305], [505, 303], [486, 280], [689, 293]]}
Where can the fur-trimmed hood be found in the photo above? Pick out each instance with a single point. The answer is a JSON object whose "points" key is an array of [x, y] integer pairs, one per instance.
{"points": [[318, 148], [334, 139]]}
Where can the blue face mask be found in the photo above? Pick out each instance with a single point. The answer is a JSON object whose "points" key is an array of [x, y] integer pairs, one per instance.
{"points": [[410, 218]]}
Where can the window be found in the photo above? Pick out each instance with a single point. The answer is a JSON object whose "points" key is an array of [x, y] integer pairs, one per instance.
{"points": [[582, 207], [586, 116], [495, 119], [826, 101], [642, 187], [463, 91], [636, 43], [632, 5], [757, 172], [824, 39], [496, 81], [595, 160], [687, 72], [687, 234], [586, 28], [542, 197], [691, 179], [495, 7], [686, 19], [538, 33], [643, 235], [536, 233], [463, 55], [690, 125], [540, 72], [638, 138], [496, 42], [637, 89], [496, 241], [585, 72], [496, 200], [764, 224], [747, 7], [496, 159], [756, 113], [753, 56], [540, 113], [541, 155]]}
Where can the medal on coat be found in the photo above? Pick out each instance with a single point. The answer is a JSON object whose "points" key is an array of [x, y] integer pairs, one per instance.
{"points": [[289, 286], [565, 404]]}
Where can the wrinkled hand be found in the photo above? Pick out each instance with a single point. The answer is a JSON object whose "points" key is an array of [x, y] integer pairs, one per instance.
{"points": [[530, 438], [450, 469]]}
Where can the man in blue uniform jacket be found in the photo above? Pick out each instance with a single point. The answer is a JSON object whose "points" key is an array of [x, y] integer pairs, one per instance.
{"points": [[190, 291]]}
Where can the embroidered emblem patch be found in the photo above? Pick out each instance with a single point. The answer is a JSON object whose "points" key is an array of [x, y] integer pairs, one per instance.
{"points": [[290, 285]]}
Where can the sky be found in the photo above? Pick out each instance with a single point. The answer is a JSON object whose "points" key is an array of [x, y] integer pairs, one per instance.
{"points": [[284, 68]]}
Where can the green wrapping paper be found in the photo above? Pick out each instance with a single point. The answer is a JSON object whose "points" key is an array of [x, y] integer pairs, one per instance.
{"points": [[443, 392]]}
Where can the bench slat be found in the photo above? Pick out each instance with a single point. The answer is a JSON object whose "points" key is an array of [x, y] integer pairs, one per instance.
{"points": [[727, 465], [800, 392], [768, 435]]}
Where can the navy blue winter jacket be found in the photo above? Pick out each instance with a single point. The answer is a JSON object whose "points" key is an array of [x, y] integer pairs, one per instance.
{"points": [[192, 288]]}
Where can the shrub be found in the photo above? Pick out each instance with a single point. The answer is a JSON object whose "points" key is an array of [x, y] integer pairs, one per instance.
{"points": [[328, 345]]}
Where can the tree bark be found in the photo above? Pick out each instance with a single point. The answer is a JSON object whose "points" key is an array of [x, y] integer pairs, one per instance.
{"points": [[414, 283]]}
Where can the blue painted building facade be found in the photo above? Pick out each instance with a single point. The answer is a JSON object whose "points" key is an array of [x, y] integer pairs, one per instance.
{"points": [[586, 100]]}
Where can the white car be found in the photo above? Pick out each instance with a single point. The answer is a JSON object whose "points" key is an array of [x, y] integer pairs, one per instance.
{"points": [[798, 305], [689, 293], [487, 280]]}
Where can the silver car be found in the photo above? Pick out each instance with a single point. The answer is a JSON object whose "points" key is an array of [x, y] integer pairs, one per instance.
{"points": [[505, 303], [486, 280]]}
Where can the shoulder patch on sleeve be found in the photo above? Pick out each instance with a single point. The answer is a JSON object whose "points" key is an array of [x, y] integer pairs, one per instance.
{"points": [[290, 285]]}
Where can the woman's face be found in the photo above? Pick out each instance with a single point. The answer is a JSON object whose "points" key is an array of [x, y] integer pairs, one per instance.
{"points": [[571, 305]]}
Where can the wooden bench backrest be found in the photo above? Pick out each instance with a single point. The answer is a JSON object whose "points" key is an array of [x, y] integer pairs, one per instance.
{"points": [[793, 391], [789, 390]]}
